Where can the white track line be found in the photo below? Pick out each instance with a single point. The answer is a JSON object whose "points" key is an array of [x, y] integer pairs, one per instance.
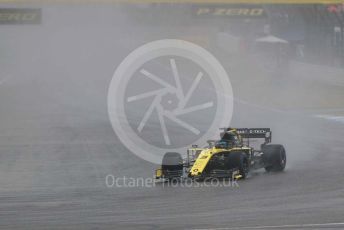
{"points": [[339, 119], [279, 226]]}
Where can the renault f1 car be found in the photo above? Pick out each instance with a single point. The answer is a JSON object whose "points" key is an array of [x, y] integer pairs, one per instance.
{"points": [[232, 156]]}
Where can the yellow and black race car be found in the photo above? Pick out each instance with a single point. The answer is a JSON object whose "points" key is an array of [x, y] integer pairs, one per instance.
{"points": [[233, 156]]}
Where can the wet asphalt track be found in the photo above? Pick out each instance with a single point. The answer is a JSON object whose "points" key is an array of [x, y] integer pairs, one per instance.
{"points": [[57, 146]]}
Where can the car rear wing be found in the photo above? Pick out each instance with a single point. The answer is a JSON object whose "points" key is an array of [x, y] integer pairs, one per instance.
{"points": [[248, 133]]}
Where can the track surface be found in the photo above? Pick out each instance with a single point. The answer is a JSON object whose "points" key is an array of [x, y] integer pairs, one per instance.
{"points": [[57, 144]]}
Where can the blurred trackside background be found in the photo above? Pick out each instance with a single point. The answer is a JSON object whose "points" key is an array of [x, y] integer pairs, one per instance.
{"points": [[285, 64]]}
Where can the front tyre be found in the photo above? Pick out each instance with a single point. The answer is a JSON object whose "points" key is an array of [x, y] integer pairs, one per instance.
{"points": [[239, 161], [172, 161]]}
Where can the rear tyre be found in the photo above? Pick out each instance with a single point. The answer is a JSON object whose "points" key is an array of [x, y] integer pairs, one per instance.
{"points": [[239, 161], [274, 157]]}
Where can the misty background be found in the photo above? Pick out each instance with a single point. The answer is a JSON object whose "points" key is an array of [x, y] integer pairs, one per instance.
{"points": [[57, 144]]}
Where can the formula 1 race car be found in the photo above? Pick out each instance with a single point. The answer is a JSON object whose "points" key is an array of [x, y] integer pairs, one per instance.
{"points": [[230, 157]]}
